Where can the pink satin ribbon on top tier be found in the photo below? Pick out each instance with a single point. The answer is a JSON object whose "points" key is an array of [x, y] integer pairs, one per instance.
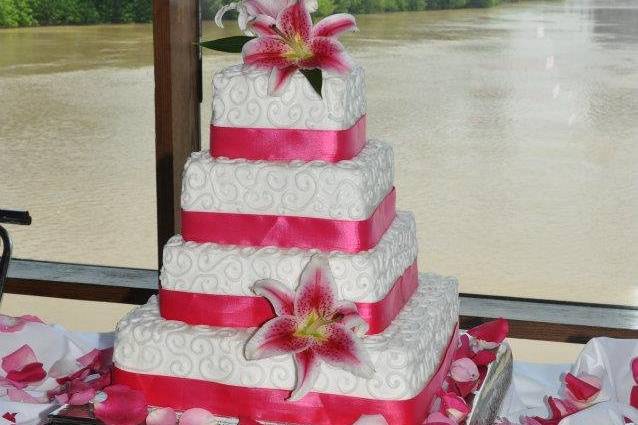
{"points": [[287, 144], [237, 311], [290, 231], [271, 405]]}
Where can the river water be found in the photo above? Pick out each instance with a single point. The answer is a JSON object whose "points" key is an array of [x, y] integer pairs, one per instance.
{"points": [[515, 132]]}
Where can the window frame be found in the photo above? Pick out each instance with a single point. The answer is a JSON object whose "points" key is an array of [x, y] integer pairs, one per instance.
{"points": [[178, 94]]}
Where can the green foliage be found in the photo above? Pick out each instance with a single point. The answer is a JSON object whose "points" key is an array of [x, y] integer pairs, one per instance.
{"points": [[14, 13]]}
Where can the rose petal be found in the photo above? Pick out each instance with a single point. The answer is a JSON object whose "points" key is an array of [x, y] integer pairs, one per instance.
{"points": [[493, 332], [279, 295], [9, 324], [22, 396], [454, 406], [11, 417], [29, 374], [438, 418], [18, 359], [327, 54], [560, 408], [317, 290], [123, 406], [463, 349], [484, 357], [295, 21], [82, 397], [334, 25], [307, 365], [275, 337], [344, 350], [197, 416], [64, 368], [633, 397], [265, 52], [262, 25], [634, 369], [464, 370], [162, 416], [582, 389]]}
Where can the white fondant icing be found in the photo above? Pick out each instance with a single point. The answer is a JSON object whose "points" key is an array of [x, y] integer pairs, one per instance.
{"points": [[346, 190], [232, 270], [405, 355], [240, 99]]}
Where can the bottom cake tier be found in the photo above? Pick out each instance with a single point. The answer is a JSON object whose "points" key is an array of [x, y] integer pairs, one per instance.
{"points": [[184, 366]]}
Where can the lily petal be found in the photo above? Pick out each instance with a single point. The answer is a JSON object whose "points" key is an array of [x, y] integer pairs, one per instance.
{"points": [[344, 350], [346, 313], [270, 8], [162, 416], [295, 21], [307, 365], [582, 389], [277, 82], [464, 370], [316, 290], [265, 52], [334, 25], [122, 406], [197, 416], [219, 16], [327, 54], [490, 334], [279, 295], [275, 337], [262, 25], [18, 359]]}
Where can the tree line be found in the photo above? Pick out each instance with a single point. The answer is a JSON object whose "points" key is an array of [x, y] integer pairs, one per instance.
{"points": [[19, 13]]}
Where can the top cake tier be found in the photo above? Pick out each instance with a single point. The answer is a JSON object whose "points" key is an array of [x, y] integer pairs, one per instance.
{"points": [[249, 123]]}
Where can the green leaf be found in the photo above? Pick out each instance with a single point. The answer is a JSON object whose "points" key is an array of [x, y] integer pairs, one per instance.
{"points": [[229, 44], [315, 78]]}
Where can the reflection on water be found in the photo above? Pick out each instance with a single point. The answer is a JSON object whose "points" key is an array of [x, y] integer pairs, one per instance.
{"points": [[514, 130]]}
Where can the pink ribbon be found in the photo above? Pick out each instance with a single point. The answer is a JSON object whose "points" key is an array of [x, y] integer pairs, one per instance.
{"points": [[288, 231], [271, 405], [236, 311], [285, 144]]}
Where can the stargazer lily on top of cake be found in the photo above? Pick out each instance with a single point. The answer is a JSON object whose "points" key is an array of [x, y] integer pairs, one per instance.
{"points": [[312, 326], [286, 41]]}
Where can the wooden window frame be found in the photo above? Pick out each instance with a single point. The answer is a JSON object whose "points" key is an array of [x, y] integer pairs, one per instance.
{"points": [[178, 94]]}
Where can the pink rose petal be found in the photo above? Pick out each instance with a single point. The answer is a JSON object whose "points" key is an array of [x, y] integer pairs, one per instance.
{"points": [[162, 416], [275, 337], [371, 420], [11, 417], [9, 324], [197, 416], [454, 406], [438, 418], [484, 357], [633, 397], [634, 369], [29, 374], [582, 389], [18, 359], [316, 291], [491, 334], [82, 397], [463, 349], [123, 406], [22, 396], [464, 370]]}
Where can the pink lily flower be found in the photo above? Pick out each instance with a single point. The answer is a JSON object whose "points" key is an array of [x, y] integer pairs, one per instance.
{"points": [[9, 324], [248, 10], [289, 43], [22, 369], [312, 326]]}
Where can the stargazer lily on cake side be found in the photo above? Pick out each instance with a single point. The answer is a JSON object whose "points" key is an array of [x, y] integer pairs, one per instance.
{"points": [[282, 38], [312, 325]]}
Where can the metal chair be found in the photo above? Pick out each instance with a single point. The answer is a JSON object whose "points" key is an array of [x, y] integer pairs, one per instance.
{"points": [[9, 217]]}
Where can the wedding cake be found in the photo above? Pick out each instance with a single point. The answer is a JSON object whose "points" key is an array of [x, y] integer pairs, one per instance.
{"points": [[292, 294]]}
